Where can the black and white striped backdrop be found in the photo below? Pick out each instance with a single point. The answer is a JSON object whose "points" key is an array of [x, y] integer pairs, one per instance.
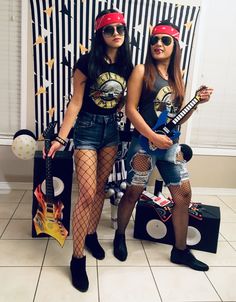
{"points": [[62, 31]]}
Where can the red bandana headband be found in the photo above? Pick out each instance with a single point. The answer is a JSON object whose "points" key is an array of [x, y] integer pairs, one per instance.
{"points": [[165, 29], [109, 19]]}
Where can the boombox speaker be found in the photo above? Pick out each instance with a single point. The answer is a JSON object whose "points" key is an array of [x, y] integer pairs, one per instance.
{"points": [[62, 171], [153, 222]]}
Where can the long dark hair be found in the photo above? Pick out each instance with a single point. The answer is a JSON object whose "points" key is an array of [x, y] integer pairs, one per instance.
{"points": [[174, 72], [98, 52]]}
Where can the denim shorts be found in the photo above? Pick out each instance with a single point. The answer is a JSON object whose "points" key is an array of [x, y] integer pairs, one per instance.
{"points": [[94, 131], [140, 164]]}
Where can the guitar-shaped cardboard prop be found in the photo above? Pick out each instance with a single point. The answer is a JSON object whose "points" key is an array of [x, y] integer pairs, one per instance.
{"points": [[168, 128], [48, 217]]}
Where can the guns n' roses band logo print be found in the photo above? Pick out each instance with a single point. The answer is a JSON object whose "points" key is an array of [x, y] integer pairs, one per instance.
{"points": [[108, 90], [163, 101]]}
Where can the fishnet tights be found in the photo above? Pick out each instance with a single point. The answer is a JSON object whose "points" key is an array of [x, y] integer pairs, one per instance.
{"points": [[92, 170], [106, 159], [181, 196], [126, 206], [140, 163]]}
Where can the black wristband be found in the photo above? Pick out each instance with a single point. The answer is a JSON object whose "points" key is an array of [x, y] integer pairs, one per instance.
{"points": [[60, 140]]}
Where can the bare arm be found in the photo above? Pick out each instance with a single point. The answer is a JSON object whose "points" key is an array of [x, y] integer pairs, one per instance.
{"points": [[72, 110], [134, 90]]}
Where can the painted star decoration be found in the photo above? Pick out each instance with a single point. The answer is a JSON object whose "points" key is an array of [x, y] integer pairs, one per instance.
{"points": [[83, 49], [41, 90], [50, 63], [69, 47], [51, 111], [39, 40], [188, 25], [48, 11]]}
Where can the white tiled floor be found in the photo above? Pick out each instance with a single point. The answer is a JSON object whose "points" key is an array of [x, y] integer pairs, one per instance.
{"points": [[38, 269]]}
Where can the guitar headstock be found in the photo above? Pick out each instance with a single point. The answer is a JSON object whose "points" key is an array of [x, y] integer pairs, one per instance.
{"points": [[49, 131]]}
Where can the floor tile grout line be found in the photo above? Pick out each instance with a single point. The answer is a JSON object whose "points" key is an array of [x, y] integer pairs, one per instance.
{"points": [[150, 268], [5, 229], [40, 272], [213, 286], [98, 287], [23, 196], [11, 218], [229, 242], [226, 204]]}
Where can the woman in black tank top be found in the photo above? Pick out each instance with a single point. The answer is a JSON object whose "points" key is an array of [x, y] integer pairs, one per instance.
{"points": [[154, 89]]}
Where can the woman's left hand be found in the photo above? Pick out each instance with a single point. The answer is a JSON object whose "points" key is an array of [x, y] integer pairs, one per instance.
{"points": [[204, 93]]}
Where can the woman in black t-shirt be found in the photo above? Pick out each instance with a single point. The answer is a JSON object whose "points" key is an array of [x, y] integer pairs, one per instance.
{"points": [[99, 83]]}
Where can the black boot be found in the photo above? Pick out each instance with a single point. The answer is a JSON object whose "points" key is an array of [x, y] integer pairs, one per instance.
{"points": [[187, 258], [91, 242], [78, 273], [119, 245]]}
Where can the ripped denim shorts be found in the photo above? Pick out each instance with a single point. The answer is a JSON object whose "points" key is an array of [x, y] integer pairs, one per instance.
{"points": [[140, 164]]}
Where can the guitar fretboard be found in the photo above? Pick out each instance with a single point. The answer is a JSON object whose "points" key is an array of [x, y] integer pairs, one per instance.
{"points": [[49, 178], [175, 121]]}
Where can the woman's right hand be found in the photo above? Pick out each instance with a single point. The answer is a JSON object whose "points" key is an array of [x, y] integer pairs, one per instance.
{"points": [[161, 141], [54, 148]]}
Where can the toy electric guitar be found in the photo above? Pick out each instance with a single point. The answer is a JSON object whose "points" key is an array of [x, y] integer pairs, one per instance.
{"points": [[48, 217], [167, 128]]}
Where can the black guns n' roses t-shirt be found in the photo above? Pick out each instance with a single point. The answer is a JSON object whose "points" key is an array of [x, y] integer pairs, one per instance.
{"points": [[153, 103], [103, 95]]}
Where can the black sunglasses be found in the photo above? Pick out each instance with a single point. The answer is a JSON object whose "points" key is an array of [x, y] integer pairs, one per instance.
{"points": [[109, 31], [166, 40]]}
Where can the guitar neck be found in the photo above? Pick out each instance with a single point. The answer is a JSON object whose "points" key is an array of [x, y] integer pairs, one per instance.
{"points": [[178, 118], [49, 178]]}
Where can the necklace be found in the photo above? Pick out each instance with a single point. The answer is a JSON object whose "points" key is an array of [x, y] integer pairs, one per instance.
{"points": [[163, 75]]}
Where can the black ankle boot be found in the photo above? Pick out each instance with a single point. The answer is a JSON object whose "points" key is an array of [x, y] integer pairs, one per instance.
{"points": [[119, 245], [91, 242], [187, 258], [78, 273]]}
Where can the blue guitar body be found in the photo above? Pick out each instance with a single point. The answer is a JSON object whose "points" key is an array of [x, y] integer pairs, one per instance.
{"points": [[168, 128], [160, 128]]}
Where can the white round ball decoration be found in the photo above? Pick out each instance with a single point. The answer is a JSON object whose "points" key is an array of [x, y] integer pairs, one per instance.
{"points": [[110, 192], [24, 144], [123, 185], [120, 194]]}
